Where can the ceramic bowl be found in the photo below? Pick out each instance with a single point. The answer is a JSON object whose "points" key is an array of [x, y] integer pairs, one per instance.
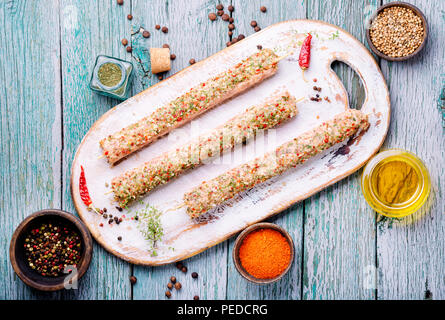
{"points": [[17, 252], [239, 241]]}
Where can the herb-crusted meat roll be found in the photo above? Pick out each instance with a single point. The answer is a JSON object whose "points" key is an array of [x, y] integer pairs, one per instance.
{"points": [[197, 100], [212, 193], [141, 180]]}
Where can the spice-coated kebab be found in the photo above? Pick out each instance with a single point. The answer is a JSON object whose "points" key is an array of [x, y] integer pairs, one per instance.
{"points": [[197, 100], [141, 180], [212, 193]]}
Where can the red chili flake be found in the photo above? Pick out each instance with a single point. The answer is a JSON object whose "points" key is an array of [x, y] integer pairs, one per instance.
{"points": [[305, 53]]}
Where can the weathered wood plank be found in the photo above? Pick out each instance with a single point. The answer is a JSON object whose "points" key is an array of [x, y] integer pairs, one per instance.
{"points": [[30, 124], [191, 35], [90, 28], [411, 252], [339, 227], [292, 220]]}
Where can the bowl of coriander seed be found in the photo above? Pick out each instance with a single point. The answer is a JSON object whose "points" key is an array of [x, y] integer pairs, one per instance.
{"points": [[397, 31]]}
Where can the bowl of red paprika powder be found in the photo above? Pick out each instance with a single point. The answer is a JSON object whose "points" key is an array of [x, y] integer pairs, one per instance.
{"points": [[263, 253]]}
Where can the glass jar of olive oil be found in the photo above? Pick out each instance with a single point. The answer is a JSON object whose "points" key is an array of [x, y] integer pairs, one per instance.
{"points": [[395, 183]]}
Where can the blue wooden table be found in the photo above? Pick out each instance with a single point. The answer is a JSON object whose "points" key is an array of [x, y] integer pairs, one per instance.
{"points": [[344, 250]]}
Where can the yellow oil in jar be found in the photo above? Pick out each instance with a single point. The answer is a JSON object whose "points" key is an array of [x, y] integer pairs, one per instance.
{"points": [[395, 183]]}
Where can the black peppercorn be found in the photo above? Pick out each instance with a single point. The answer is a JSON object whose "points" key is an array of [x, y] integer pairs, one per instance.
{"points": [[178, 286], [168, 294], [173, 279], [194, 275], [133, 280], [196, 298]]}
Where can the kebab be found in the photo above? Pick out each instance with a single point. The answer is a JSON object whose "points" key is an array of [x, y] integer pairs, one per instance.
{"points": [[214, 192], [158, 171], [194, 102]]}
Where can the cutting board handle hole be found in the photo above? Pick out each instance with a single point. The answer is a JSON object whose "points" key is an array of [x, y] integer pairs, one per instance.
{"points": [[352, 83]]}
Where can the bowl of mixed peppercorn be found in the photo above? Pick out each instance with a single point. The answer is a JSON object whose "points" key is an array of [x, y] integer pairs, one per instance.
{"points": [[397, 31], [50, 250]]}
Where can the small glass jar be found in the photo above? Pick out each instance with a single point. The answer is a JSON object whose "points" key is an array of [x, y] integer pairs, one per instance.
{"points": [[112, 77], [418, 195]]}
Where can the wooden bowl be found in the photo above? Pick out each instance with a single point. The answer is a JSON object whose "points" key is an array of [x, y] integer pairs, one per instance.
{"points": [[404, 5], [17, 253], [239, 241]]}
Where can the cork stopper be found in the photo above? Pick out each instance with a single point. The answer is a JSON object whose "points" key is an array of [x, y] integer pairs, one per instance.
{"points": [[160, 60]]}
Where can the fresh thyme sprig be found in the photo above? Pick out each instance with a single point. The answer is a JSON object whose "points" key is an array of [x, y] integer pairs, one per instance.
{"points": [[150, 226]]}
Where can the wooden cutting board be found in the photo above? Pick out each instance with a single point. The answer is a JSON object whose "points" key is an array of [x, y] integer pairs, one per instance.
{"points": [[182, 236]]}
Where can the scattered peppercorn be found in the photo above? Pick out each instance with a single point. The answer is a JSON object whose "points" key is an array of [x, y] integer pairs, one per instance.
{"points": [[315, 80], [179, 265], [119, 238], [259, 47], [173, 279], [241, 37], [231, 26], [231, 20], [234, 40], [104, 209], [228, 44], [196, 298], [194, 275], [220, 12], [157, 27], [129, 17], [133, 280], [192, 61], [253, 23], [105, 216], [178, 286], [164, 29], [230, 33], [263, 9], [257, 29], [165, 45], [51, 247], [170, 285], [231, 8], [172, 56], [168, 294], [119, 209], [146, 34], [184, 269], [212, 16], [225, 17], [129, 49], [110, 221], [317, 88], [219, 7], [120, 2], [124, 42]]}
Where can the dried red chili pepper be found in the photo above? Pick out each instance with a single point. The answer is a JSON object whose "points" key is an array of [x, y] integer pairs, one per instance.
{"points": [[305, 53], [84, 194]]}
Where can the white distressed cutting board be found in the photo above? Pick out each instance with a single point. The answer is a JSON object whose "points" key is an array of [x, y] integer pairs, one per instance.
{"points": [[184, 237]]}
